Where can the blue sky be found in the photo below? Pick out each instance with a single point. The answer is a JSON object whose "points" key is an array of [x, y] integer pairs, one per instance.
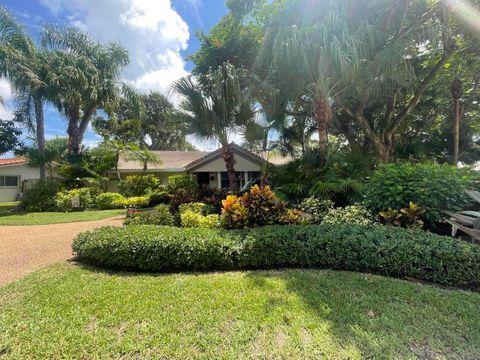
{"points": [[159, 35]]}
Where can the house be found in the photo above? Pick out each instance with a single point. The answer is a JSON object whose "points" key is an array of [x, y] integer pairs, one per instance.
{"points": [[208, 167], [15, 174]]}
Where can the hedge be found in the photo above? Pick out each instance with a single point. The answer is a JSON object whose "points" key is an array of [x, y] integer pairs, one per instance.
{"points": [[376, 249]]}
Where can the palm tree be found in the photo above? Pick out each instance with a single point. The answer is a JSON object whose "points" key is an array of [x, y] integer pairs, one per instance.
{"points": [[145, 156], [118, 148], [214, 108], [84, 77], [27, 68], [55, 151], [324, 55]]}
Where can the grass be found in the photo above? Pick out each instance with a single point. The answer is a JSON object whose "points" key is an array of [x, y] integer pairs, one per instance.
{"points": [[5, 206], [21, 218], [67, 311]]}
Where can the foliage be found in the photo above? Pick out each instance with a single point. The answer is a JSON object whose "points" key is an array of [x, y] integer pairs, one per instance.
{"points": [[374, 249], [63, 200], [158, 197], [110, 200], [315, 208], [234, 213], [212, 197], [190, 218], [137, 201], [41, 196], [9, 136], [185, 182], [145, 157], [292, 217], [196, 208], [160, 215], [139, 185], [353, 214], [431, 186], [262, 206]]}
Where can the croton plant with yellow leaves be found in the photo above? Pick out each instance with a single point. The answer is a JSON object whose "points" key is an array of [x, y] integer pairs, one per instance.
{"points": [[257, 207]]}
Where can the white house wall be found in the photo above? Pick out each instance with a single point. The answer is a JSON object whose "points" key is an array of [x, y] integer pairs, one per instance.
{"points": [[24, 171]]}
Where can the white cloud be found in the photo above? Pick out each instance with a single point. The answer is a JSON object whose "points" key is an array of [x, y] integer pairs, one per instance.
{"points": [[152, 32], [6, 110]]}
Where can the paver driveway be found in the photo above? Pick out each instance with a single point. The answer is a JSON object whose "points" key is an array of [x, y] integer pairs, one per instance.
{"points": [[24, 249]]}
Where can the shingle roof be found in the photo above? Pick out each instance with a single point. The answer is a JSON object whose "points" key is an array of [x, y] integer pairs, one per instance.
{"points": [[13, 161], [171, 160]]}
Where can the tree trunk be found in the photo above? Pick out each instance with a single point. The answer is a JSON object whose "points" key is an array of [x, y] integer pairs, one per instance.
{"points": [[228, 157], [323, 115], [457, 92], [74, 146], [40, 124]]}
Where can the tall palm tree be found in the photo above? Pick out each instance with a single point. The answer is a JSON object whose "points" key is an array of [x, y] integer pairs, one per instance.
{"points": [[26, 68], [85, 77], [322, 53], [215, 108]]}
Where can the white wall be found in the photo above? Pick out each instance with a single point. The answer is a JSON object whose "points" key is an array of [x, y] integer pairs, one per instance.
{"points": [[242, 164], [24, 171]]}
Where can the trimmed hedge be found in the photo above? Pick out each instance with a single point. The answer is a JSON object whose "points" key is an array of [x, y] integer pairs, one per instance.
{"points": [[377, 249]]}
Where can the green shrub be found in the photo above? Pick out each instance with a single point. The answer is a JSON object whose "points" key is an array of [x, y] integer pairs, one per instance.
{"points": [[354, 214], [384, 250], [160, 215], [139, 185], [193, 219], [63, 200], [262, 206], [234, 213], [93, 191], [184, 182], [110, 200], [181, 197], [195, 207], [41, 196], [137, 201], [315, 208], [158, 197], [431, 186]]}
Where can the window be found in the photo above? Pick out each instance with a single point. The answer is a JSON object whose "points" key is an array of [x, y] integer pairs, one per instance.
{"points": [[9, 181]]}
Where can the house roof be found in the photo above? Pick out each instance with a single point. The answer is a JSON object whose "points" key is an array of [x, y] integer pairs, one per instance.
{"points": [[173, 161], [18, 160]]}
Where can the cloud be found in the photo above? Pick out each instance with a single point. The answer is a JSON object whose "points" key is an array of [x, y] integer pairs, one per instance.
{"points": [[152, 31], [6, 110]]}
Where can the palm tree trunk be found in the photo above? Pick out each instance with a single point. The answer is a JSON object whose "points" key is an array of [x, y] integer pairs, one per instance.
{"points": [[228, 157], [323, 115], [456, 89], [40, 124], [73, 133]]}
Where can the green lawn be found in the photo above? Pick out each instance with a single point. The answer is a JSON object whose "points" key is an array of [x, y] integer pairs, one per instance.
{"points": [[5, 206], [67, 311], [16, 218]]}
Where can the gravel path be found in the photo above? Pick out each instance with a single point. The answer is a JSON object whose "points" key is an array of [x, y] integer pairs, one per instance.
{"points": [[24, 249]]}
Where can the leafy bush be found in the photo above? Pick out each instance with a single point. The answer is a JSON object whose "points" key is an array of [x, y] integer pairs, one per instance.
{"points": [[110, 200], [93, 191], [384, 250], [315, 208], [234, 213], [431, 186], [408, 216], [183, 182], [63, 200], [137, 201], [212, 198], [181, 197], [196, 208], [353, 214], [160, 215], [194, 219], [158, 197], [41, 196], [139, 185], [262, 206]]}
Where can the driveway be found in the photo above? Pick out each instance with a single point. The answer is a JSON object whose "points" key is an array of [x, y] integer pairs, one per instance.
{"points": [[24, 249]]}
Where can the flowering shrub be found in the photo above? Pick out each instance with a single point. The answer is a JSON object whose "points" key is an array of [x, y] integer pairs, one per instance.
{"points": [[315, 208], [354, 214], [193, 219], [234, 213], [110, 200]]}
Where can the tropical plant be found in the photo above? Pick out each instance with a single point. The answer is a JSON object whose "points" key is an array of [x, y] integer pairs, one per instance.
{"points": [[353, 214], [160, 215], [145, 157], [41, 196], [9, 137], [184, 182], [110, 200], [139, 185], [234, 214], [193, 219], [315, 208], [53, 154], [215, 106]]}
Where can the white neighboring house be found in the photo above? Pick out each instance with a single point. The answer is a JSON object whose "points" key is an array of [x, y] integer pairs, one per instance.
{"points": [[15, 173], [208, 167]]}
